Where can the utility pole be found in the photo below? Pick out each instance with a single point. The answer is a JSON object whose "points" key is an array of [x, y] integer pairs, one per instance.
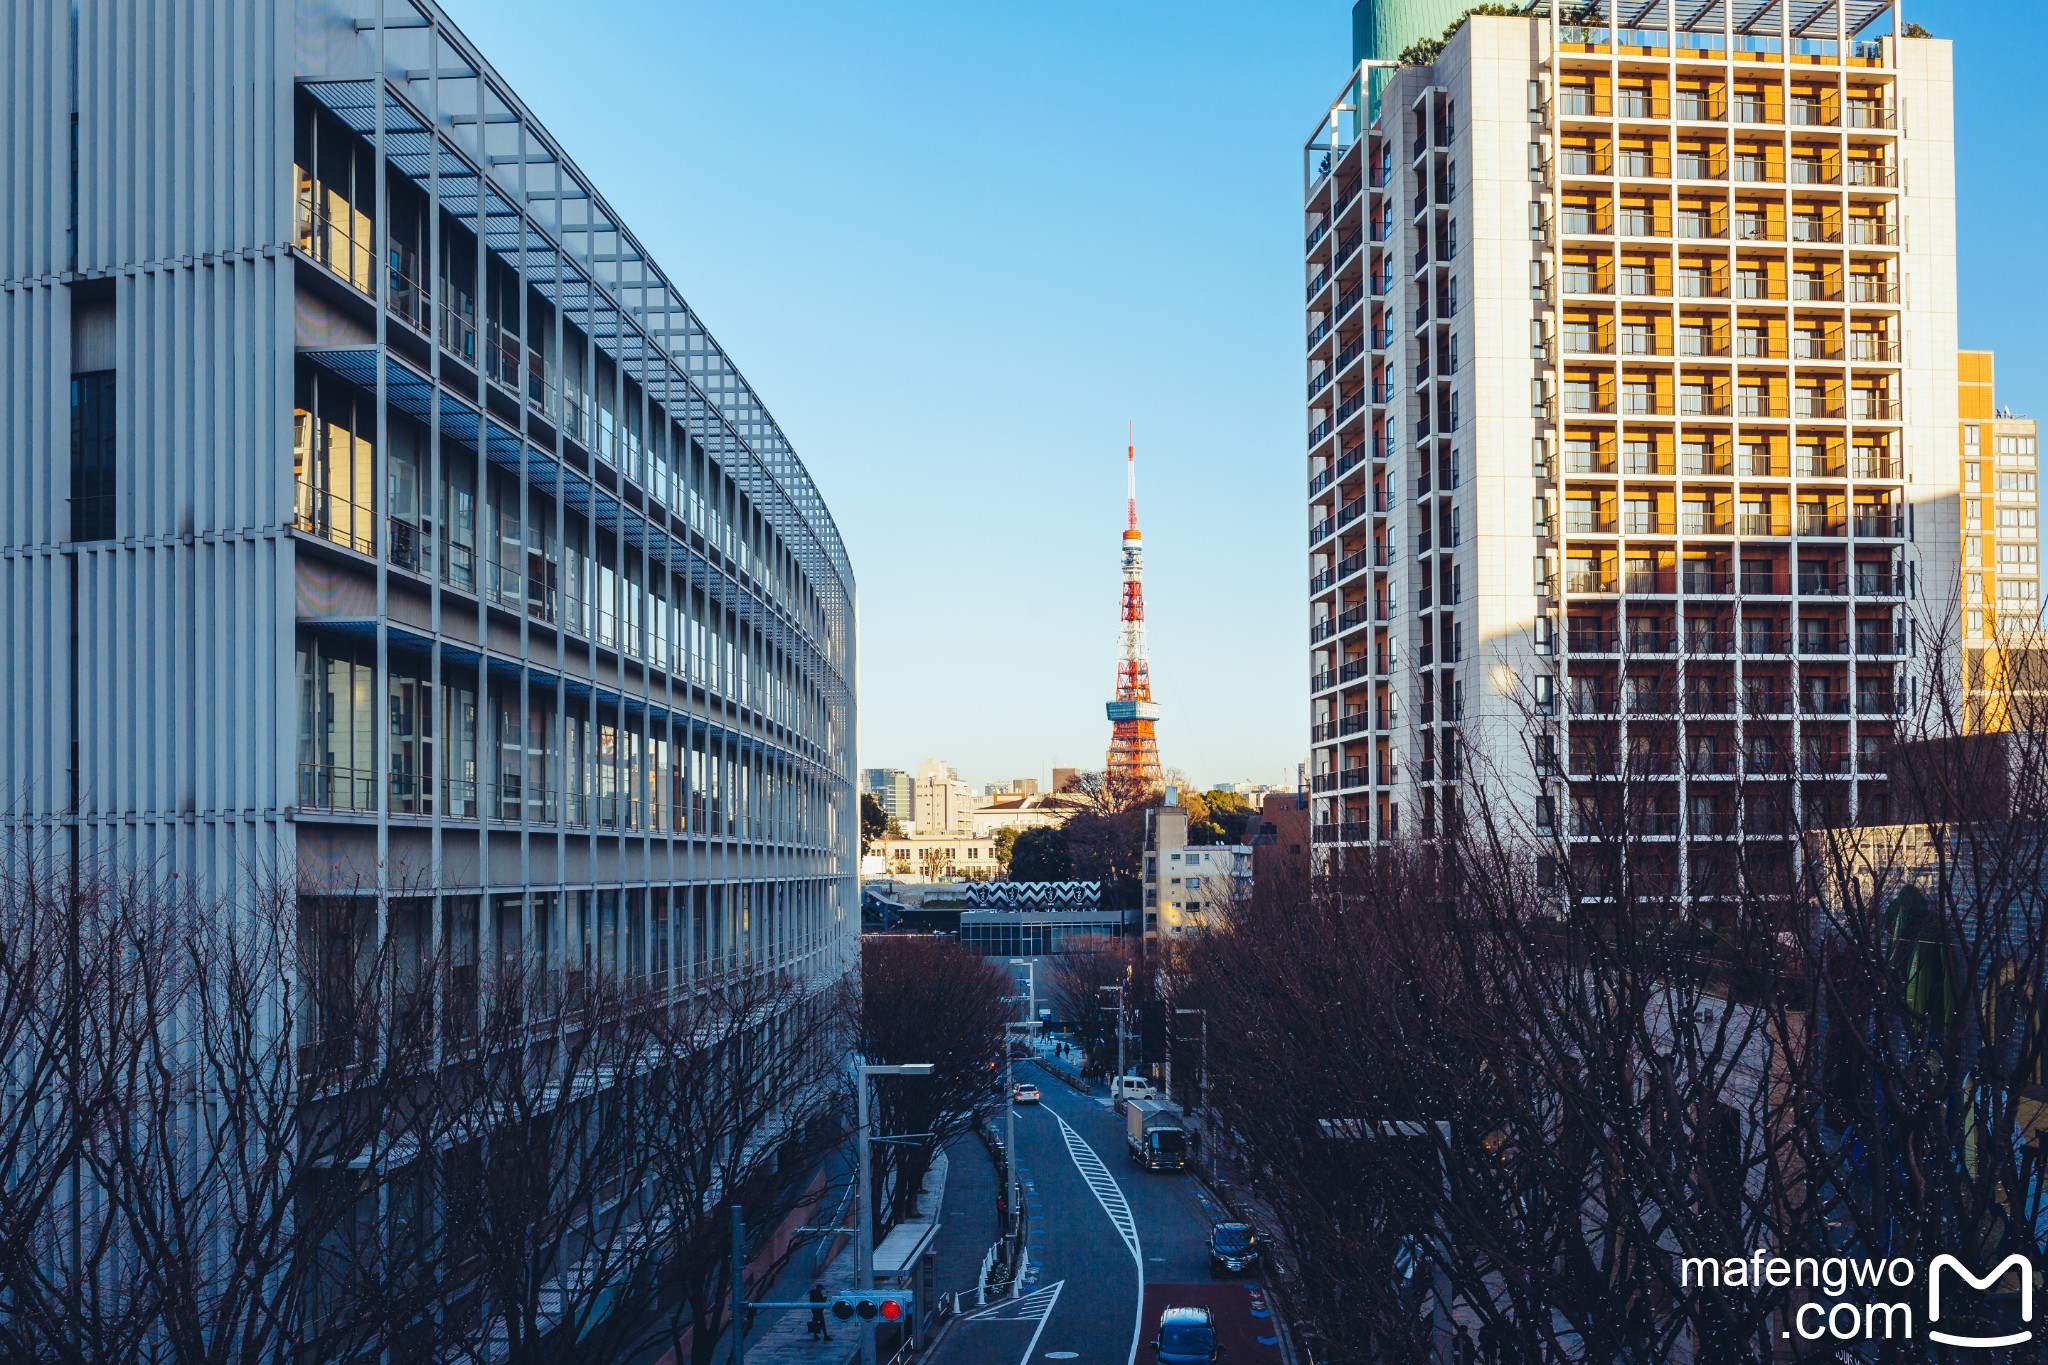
{"points": [[1205, 1053], [739, 1286], [864, 1242], [1116, 1086]]}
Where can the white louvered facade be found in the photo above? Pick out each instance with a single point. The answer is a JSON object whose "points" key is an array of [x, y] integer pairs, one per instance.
{"points": [[445, 555]]}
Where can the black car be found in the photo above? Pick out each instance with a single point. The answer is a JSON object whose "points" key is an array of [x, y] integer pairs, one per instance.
{"points": [[1233, 1248]]}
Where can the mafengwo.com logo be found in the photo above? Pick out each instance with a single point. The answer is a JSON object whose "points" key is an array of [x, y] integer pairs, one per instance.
{"points": [[1875, 1300]]}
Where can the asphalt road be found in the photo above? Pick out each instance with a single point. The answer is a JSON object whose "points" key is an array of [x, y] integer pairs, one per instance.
{"points": [[1111, 1246]]}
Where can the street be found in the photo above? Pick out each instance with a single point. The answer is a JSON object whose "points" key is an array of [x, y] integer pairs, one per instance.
{"points": [[1111, 1245]]}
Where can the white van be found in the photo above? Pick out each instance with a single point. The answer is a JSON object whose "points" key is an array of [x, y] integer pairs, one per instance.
{"points": [[1128, 1088]]}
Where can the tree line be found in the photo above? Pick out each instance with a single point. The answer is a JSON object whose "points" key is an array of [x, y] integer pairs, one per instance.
{"points": [[228, 1135], [1508, 1060]]}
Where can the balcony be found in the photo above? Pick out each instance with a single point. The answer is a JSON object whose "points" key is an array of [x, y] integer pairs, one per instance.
{"points": [[1869, 114], [1869, 232], [1870, 407], [1869, 175], [1802, 170], [1708, 582], [1865, 289], [1866, 347], [333, 517]]}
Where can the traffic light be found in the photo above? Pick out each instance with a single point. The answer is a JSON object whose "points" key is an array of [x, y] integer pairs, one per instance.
{"points": [[871, 1307]]}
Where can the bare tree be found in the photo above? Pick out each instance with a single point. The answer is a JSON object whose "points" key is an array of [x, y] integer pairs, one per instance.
{"points": [[927, 998], [1073, 983], [750, 1098], [1832, 1046]]}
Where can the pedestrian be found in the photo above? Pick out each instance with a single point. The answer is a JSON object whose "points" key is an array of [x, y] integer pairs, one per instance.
{"points": [[818, 1332], [1002, 1209]]}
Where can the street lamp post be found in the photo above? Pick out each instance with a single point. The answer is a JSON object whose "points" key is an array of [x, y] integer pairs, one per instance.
{"points": [[1205, 1054], [1031, 982], [864, 1241], [1116, 1086]]}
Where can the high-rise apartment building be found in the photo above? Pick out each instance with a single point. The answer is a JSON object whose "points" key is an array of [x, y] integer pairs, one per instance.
{"points": [[893, 788], [2001, 466], [1631, 389], [2000, 462], [379, 514], [940, 802]]}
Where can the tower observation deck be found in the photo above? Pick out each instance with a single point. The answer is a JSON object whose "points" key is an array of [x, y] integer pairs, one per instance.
{"points": [[1133, 716]]}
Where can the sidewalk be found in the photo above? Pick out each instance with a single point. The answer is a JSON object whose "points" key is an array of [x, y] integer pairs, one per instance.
{"points": [[785, 1338], [1068, 1069], [967, 1217]]}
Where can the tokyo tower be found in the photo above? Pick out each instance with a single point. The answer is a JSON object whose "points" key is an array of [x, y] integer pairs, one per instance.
{"points": [[1133, 716]]}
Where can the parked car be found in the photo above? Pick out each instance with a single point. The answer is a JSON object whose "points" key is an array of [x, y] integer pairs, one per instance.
{"points": [[1233, 1248], [1187, 1336], [1023, 1092], [1126, 1088]]}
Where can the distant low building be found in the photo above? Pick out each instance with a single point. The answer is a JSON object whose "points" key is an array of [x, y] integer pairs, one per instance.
{"points": [[937, 857], [1031, 811], [1000, 919]]}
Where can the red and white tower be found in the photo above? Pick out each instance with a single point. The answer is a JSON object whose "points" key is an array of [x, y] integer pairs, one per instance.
{"points": [[1133, 716]]}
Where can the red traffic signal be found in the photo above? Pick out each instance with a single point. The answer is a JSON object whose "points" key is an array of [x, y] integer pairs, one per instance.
{"points": [[887, 1307]]}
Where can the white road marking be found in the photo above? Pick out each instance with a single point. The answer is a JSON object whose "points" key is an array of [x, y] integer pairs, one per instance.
{"points": [[1110, 1195], [1033, 1307]]}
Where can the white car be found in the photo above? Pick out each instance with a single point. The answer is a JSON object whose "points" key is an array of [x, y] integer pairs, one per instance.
{"points": [[1130, 1088], [1023, 1092]]}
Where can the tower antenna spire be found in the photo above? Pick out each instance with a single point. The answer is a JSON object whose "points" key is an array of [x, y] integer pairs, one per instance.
{"points": [[1133, 715], [1131, 474]]}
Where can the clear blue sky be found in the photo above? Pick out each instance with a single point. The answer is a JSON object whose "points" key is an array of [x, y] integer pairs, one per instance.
{"points": [[957, 245]]}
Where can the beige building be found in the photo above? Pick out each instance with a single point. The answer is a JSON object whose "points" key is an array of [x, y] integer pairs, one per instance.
{"points": [[934, 858], [1188, 887], [1032, 811], [940, 802], [1631, 388]]}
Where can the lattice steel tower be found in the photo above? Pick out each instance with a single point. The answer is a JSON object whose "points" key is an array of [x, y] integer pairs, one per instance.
{"points": [[1133, 717]]}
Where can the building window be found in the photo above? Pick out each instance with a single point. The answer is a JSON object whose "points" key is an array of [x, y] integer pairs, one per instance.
{"points": [[332, 462], [337, 735], [92, 456]]}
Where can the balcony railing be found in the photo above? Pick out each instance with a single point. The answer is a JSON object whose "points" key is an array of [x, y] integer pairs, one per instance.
{"points": [[1869, 174], [333, 517], [327, 786]]}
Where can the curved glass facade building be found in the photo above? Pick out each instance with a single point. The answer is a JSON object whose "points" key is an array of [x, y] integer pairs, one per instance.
{"points": [[380, 518]]}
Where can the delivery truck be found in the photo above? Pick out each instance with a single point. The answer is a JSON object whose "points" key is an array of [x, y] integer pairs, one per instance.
{"points": [[1157, 1139]]}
